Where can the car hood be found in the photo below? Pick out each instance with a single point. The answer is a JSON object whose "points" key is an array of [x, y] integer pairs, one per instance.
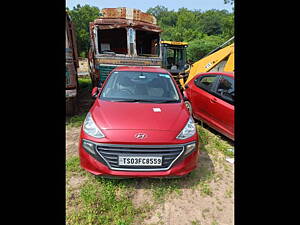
{"points": [[139, 116]]}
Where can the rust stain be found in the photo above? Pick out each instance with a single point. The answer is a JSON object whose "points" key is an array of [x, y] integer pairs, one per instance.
{"points": [[127, 13], [129, 62], [119, 23], [71, 79]]}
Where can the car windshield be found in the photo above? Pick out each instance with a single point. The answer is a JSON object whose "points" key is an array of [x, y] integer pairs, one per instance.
{"points": [[133, 86]]}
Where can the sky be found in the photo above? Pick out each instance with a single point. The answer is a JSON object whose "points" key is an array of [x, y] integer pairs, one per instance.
{"points": [[143, 5]]}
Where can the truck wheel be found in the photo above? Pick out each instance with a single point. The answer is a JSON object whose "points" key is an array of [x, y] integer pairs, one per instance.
{"points": [[189, 107]]}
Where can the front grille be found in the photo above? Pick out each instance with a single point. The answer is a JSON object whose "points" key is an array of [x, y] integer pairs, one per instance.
{"points": [[110, 153]]}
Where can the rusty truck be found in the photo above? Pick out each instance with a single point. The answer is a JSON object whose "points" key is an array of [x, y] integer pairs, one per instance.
{"points": [[71, 69], [123, 37]]}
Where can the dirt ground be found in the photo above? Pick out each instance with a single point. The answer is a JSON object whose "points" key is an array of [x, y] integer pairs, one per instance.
{"points": [[191, 206]]}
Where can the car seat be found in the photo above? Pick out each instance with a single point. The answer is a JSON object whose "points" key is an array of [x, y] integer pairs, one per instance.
{"points": [[157, 87], [125, 83], [141, 89]]}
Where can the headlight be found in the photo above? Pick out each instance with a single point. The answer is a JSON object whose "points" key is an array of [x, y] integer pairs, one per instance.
{"points": [[188, 131], [90, 128]]}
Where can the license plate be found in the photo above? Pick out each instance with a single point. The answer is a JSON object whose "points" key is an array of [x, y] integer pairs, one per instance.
{"points": [[140, 160]]}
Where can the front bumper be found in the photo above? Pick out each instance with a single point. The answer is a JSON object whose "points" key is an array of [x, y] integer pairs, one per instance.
{"points": [[180, 165]]}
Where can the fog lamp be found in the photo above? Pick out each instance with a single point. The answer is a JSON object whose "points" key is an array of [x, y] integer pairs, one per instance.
{"points": [[88, 146], [189, 148]]}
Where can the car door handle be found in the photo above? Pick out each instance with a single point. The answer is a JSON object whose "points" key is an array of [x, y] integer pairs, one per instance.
{"points": [[213, 100]]}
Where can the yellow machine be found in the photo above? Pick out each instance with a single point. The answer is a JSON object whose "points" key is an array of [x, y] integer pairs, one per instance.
{"points": [[218, 60], [174, 58]]}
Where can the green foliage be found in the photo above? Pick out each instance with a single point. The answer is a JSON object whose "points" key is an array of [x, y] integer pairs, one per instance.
{"points": [[198, 48], [85, 83], [72, 164], [100, 201], [164, 17], [196, 222], [161, 188], [96, 200], [82, 54], [81, 16], [210, 142], [227, 24], [203, 30], [229, 2], [211, 22], [205, 189], [76, 121]]}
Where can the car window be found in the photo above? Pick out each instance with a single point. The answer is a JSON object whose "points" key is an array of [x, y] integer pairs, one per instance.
{"points": [[225, 88], [206, 82], [134, 86]]}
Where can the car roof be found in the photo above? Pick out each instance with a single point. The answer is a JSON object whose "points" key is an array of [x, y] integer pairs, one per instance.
{"points": [[141, 68]]}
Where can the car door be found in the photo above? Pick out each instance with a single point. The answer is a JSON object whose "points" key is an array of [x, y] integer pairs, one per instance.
{"points": [[221, 105], [201, 95]]}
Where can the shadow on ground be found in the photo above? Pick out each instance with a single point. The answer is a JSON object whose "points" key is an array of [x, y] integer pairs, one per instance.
{"points": [[223, 137], [85, 101]]}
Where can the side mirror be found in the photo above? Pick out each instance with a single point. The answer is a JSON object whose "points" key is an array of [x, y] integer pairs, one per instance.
{"points": [[95, 92]]}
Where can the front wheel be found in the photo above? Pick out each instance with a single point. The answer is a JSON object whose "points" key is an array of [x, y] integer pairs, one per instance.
{"points": [[189, 107]]}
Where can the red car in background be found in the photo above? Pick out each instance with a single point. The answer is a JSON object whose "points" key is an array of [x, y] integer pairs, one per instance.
{"points": [[138, 126], [211, 99]]}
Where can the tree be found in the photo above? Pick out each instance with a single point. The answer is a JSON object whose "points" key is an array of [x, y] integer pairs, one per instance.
{"points": [[227, 26], [157, 11], [200, 47], [229, 1], [81, 16], [211, 21], [203, 30], [163, 16]]}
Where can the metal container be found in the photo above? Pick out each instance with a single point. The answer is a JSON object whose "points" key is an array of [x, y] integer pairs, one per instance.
{"points": [[127, 13]]}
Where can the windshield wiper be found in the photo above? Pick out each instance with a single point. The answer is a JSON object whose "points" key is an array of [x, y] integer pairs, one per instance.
{"points": [[165, 101], [132, 100], [144, 100]]}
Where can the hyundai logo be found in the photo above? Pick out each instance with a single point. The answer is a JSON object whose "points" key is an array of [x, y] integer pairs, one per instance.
{"points": [[140, 136]]}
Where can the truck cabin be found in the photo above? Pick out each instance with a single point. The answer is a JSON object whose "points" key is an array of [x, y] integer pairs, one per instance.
{"points": [[174, 56], [119, 41], [126, 32]]}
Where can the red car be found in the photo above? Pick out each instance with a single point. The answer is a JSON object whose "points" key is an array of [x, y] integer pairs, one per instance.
{"points": [[211, 100], [138, 126]]}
